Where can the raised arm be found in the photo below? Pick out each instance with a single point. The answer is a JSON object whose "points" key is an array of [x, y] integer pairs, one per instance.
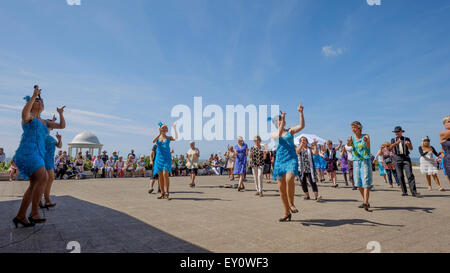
{"points": [[176, 133], [299, 127], [366, 140], [26, 111], [444, 135], [156, 138], [62, 121], [339, 146], [59, 144]]}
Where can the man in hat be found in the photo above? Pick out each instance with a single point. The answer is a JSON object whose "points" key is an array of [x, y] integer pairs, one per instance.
{"points": [[104, 158], [401, 146]]}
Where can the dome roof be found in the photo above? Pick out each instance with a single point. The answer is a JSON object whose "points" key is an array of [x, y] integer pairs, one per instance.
{"points": [[85, 138]]}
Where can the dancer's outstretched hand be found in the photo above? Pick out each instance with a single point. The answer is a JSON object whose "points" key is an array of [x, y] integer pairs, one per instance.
{"points": [[349, 141], [36, 92], [300, 108], [366, 138], [60, 110]]}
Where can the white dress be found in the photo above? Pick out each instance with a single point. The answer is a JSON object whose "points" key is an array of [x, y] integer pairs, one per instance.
{"points": [[428, 164], [192, 159]]}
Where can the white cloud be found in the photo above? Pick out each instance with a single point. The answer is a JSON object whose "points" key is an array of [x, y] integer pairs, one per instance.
{"points": [[87, 120], [329, 51], [73, 2]]}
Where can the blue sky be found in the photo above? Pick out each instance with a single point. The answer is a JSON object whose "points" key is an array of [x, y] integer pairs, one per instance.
{"points": [[120, 66]]}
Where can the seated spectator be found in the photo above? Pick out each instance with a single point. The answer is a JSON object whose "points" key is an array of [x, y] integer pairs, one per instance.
{"points": [[104, 158], [174, 167], [2, 156], [61, 167], [58, 155], [66, 157], [182, 166], [88, 156], [109, 167], [140, 168], [79, 165], [13, 172], [132, 154], [120, 167], [98, 166], [216, 166], [130, 165]]}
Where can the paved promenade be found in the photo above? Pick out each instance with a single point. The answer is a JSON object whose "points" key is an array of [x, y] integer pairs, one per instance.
{"points": [[118, 215]]}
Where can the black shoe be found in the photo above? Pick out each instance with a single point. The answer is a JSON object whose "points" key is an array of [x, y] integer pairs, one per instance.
{"points": [[150, 191], [354, 188], [366, 207], [43, 207], [404, 194], [306, 198], [295, 210], [37, 221], [363, 206], [287, 218], [17, 221]]}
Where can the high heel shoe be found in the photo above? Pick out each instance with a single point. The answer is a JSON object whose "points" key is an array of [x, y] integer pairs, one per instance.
{"points": [[50, 205], [166, 196], [43, 207], [36, 221], [17, 221], [295, 210], [161, 196], [287, 218]]}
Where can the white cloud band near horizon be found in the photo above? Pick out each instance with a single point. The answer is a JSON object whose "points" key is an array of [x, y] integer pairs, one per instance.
{"points": [[330, 51]]}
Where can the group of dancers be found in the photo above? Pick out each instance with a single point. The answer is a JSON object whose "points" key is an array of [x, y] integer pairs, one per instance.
{"points": [[35, 155], [34, 158]]}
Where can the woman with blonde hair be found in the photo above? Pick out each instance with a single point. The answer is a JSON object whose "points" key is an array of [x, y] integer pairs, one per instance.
{"points": [[428, 164], [192, 156], [379, 157], [362, 169], [163, 159], [257, 155], [445, 142], [286, 162], [240, 165], [388, 164], [231, 158]]}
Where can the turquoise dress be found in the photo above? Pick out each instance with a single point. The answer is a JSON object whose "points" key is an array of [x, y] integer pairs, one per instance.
{"points": [[286, 160], [30, 155], [50, 147], [163, 159]]}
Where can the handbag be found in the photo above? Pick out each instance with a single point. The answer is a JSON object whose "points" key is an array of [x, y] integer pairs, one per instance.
{"points": [[388, 160]]}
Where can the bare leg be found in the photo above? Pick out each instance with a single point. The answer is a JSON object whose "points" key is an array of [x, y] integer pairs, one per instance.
{"points": [[283, 195], [32, 195], [436, 179], [290, 186], [428, 181], [161, 183], [166, 182], [48, 186], [385, 180], [366, 195]]}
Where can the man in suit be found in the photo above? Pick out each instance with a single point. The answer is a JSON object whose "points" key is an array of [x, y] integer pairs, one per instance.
{"points": [[401, 146]]}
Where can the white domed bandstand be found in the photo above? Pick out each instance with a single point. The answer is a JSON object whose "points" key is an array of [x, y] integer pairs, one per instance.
{"points": [[85, 140]]}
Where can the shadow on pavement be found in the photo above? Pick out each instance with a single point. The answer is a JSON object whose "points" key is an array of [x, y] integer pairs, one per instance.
{"points": [[96, 228], [413, 209], [197, 199], [338, 200], [341, 222]]}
